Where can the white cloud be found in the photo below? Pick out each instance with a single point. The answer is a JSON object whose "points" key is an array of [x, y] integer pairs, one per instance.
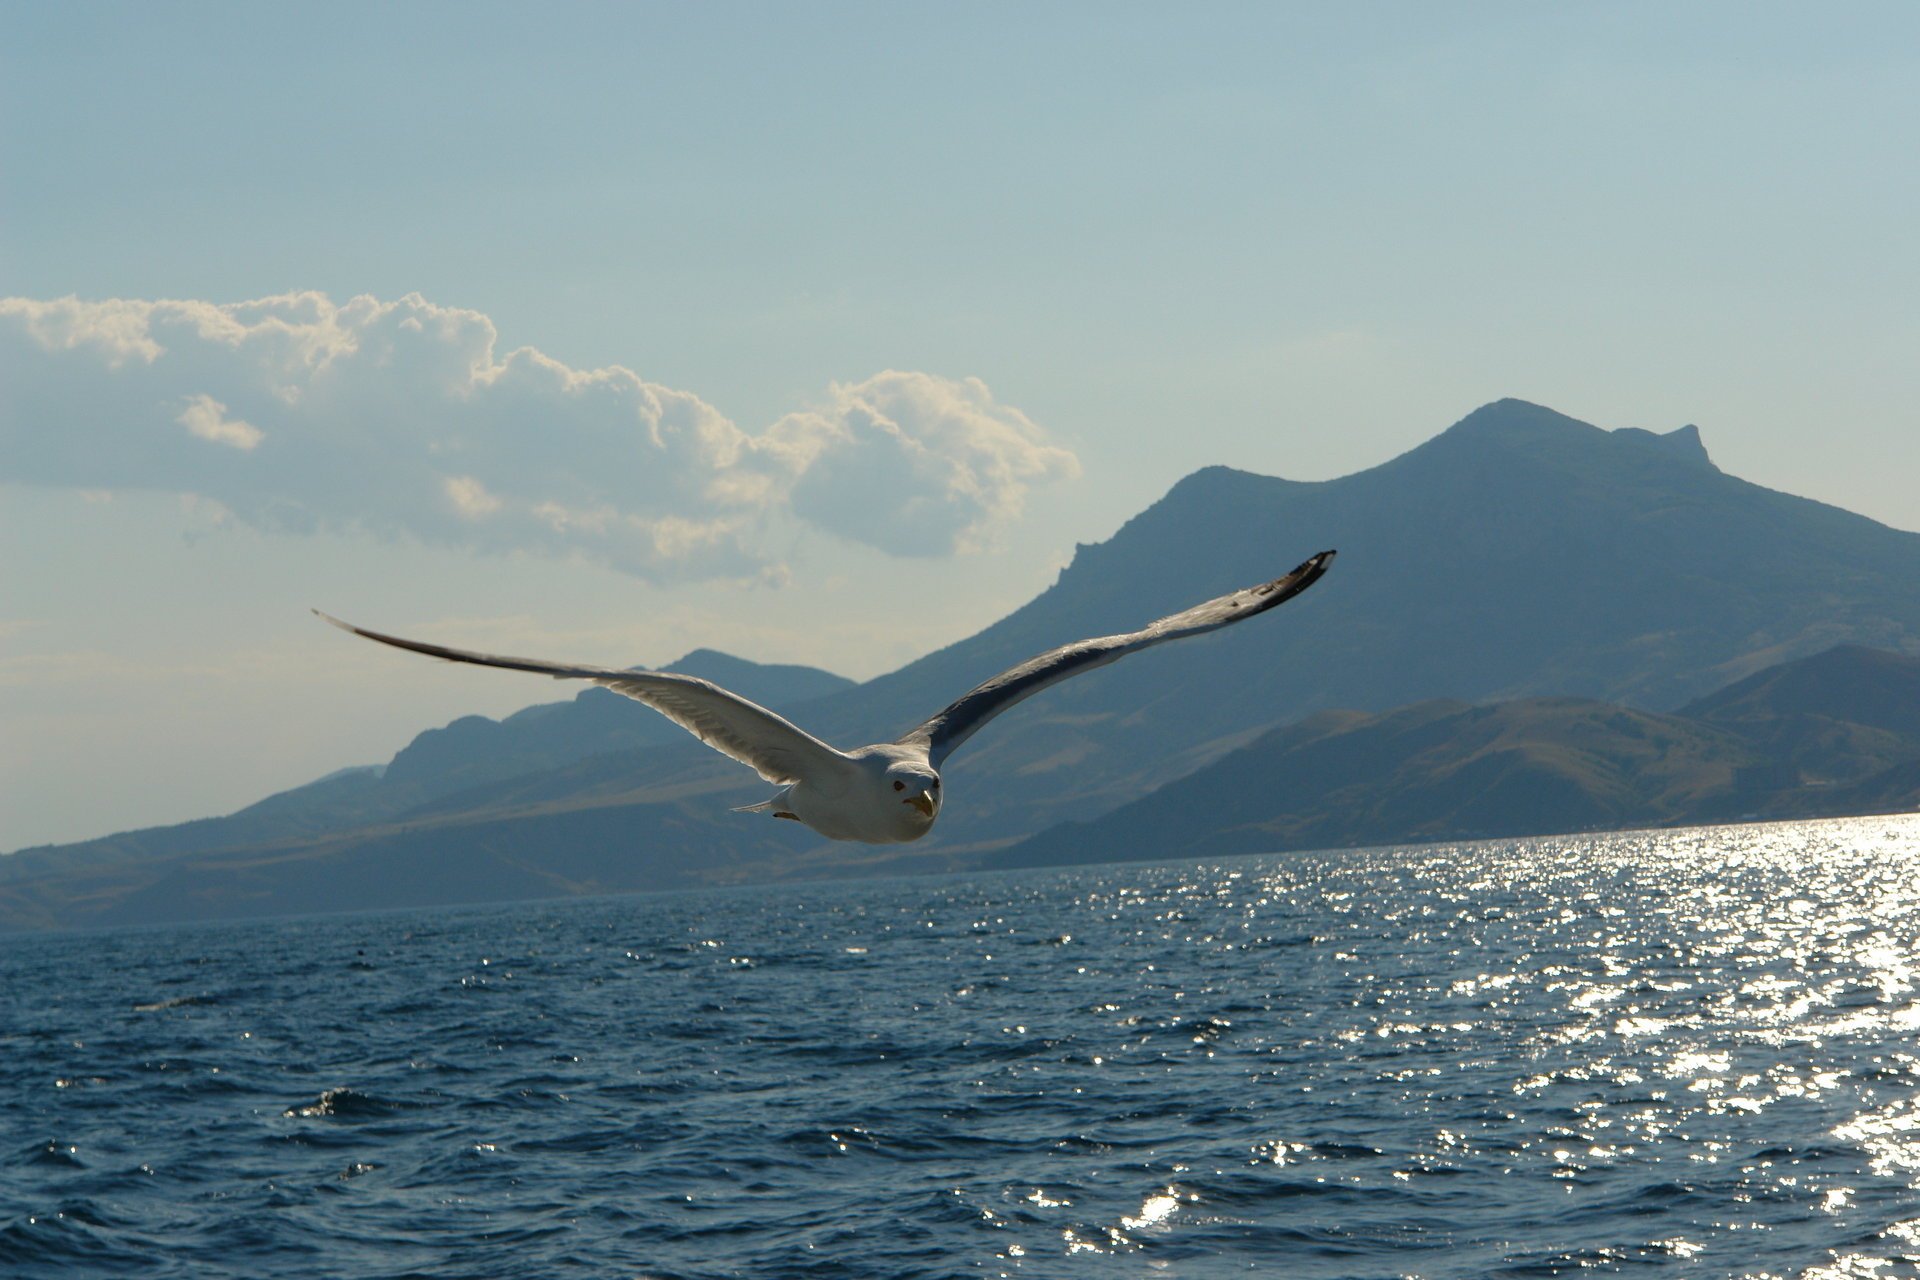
{"points": [[917, 464], [470, 498], [401, 418], [207, 418]]}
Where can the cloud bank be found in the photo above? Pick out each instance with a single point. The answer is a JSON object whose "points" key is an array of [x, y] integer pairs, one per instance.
{"points": [[400, 418]]}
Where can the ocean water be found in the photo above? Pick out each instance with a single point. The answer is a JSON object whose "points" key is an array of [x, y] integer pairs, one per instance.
{"points": [[1686, 1053]]}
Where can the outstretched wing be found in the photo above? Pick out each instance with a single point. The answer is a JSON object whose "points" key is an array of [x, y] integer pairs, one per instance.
{"points": [[727, 722], [962, 717]]}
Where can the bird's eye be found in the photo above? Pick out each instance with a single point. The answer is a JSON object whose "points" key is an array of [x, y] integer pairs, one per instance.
{"points": [[899, 785]]}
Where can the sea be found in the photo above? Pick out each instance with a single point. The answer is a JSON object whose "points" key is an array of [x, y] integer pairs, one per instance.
{"points": [[1686, 1053]]}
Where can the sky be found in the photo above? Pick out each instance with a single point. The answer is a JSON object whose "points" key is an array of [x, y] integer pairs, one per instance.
{"points": [[823, 333]]}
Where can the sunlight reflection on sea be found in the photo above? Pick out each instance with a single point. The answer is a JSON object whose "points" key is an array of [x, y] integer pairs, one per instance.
{"points": [[1685, 1052]]}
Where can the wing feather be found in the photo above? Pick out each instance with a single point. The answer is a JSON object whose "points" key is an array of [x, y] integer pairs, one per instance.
{"points": [[963, 717], [773, 746]]}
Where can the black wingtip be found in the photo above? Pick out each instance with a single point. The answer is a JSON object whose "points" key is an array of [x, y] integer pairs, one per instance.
{"points": [[1311, 568]]}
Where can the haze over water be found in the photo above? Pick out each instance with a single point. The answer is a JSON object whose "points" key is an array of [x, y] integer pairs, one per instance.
{"points": [[1685, 1053]]}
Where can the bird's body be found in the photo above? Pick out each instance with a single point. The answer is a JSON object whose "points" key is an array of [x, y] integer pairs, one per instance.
{"points": [[855, 799], [885, 792]]}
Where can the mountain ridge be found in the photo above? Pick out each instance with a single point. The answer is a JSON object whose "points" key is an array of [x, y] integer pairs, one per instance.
{"points": [[1447, 770], [460, 757], [1519, 553]]}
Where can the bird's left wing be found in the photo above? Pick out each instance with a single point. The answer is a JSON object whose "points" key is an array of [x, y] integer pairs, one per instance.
{"points": [[775, 748], [966, 714]]}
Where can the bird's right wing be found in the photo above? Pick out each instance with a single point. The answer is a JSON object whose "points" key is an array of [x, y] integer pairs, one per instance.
{"points": [[967, 713], [775, 748]]}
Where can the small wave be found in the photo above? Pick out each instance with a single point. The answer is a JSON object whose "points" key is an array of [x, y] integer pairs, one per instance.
{"points": [[57, 1155], [342, 1104], [63, 1244], [1204, 1029], [838, 1140], [178, 1002]]}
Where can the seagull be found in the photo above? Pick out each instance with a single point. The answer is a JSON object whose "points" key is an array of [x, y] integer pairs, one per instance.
{"points": [[885, 792]]}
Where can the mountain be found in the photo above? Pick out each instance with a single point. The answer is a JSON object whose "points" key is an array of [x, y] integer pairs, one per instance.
{"points": [[1439, 770], [1837, 733], [1849, 683], [1838, 727], [464, 758], [1519, 554]]}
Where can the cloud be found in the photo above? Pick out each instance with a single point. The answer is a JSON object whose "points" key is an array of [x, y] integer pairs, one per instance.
{"points": [[922, 465], [470, 498], [401, 418], [207, 418]]}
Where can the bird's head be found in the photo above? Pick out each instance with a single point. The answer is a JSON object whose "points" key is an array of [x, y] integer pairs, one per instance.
{"points": [[917, 787]]}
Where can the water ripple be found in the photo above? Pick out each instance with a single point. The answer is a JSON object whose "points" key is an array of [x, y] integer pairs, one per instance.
{"points": [[1687, 1053]]}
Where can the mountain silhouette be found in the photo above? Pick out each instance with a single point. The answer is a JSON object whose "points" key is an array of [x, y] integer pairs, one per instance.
{"points": [[1833, 734], [1520, 554]]}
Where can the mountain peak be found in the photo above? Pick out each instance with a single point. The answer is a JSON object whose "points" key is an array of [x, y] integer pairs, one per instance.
{"points": [[1511, 417], [1682, 443], [1870, 686], [1519, 427], [1215, 481]]}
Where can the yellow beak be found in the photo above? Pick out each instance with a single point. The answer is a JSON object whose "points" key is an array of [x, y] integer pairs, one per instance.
{"points": [[923, 802]]}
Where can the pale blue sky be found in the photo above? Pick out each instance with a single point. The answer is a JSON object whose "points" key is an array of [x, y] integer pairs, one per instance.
{"points": [[1294, 239]]}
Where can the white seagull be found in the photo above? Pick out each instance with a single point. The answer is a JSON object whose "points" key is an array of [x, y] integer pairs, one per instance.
{"points": [[886, 792]]}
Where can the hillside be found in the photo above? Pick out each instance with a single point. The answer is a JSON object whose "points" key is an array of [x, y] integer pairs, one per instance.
{"points": [[1520, 553], [470, 757], [1766, 747]]}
